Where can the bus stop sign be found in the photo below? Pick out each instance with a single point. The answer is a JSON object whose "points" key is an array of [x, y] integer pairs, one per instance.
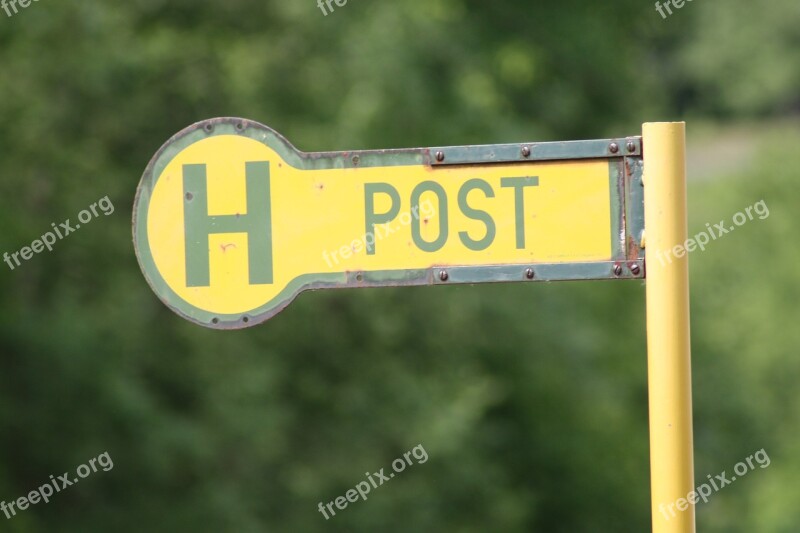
{"points": [[231, 222]]}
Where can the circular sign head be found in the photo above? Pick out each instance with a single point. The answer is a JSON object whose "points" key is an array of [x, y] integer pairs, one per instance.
{"points": [[203, 227]]}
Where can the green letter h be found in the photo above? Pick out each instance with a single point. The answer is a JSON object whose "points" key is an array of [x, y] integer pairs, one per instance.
{"points": [[198, 224]]}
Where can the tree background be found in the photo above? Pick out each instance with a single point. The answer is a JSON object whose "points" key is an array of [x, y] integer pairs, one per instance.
{"points": [[530, 400]]}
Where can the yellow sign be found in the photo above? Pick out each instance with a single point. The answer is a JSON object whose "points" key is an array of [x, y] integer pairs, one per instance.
{"points": [[232, 222]]}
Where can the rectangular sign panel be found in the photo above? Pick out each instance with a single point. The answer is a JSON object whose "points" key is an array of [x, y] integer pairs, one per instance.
{"points": [[231, 222]]}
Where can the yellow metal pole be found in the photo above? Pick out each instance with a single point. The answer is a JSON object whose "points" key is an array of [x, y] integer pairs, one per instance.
{"points": [[668, 347]]}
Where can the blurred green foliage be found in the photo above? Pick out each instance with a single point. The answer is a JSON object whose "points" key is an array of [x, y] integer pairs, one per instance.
{"points": [[530, 400]]}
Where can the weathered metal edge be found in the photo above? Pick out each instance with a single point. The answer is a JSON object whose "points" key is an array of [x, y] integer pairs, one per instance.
{"points": [[545, 151], [634, 208], [437, 275], [431, 156]]}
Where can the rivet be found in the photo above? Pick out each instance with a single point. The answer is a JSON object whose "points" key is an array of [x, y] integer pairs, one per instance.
{"points": [[529, 273], [613, 148], [440, 156], [443, 275], [209, 127], [356, 160], [526, 151]]}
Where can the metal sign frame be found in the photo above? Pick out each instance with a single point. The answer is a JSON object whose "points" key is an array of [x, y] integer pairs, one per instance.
{"points": [[624, 157]]}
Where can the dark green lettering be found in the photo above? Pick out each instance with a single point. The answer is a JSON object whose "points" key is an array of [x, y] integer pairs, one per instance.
{"points": [[416, 233], [256, 223], [370, 217], [476, 214], [519, 203]]}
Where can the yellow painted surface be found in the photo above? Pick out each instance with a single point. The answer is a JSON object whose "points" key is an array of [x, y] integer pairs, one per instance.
{"points": [[318, 219], [668, 340]]}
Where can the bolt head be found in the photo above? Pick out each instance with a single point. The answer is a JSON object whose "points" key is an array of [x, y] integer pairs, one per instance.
{"points": [[631, 146], [613, 148], [443, 275], [635, 269], [617, 270], [440, 156], [526, 151], [529, 273]]}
